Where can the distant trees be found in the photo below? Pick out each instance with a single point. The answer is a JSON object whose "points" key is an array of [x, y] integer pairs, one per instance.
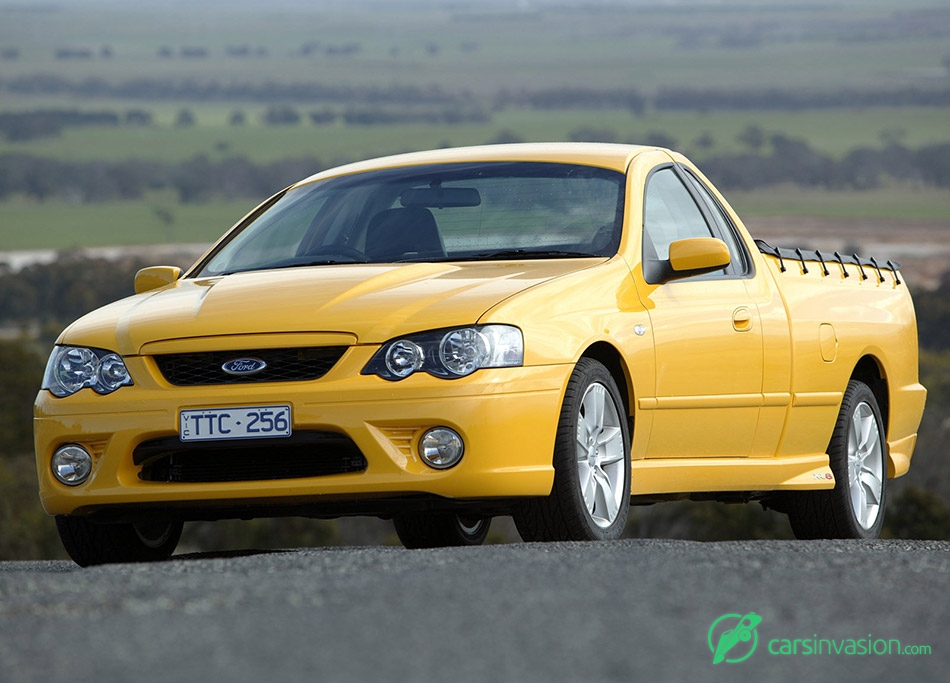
{"points": [[705, 140], [409, 94], [592, 134], [574, 98], [934, 164], [783, 160], [323, 116], [193, 52], [138, 117], [184, 118], [281, 115], [404, 94], [194, 180], [387, 116], [27, 125], [315, 48], [659, 139], [504, 137], [342, 50], [27, 531], [63, 53], [82, 52], [933, 319], [710, 99], [918, 513], [22, 373], [753, 136], [65, 289], [245, 51], [792, 160]]}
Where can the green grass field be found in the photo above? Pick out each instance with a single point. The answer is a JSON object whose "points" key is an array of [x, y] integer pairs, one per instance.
{"points": [[900, 204], [61, 225]]}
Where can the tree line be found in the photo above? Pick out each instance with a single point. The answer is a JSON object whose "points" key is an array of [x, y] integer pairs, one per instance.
{"points": [[628, 99], [794, 161], [198, 179], [774, 99], [785, 160], [21, 126], [18, 126], [195, 90]]}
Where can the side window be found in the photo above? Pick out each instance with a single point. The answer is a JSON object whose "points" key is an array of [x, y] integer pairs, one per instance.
{"points": [[669, 214], [741, 262]]}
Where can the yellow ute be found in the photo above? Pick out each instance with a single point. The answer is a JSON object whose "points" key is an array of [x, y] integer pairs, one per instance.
{"points": [[550, 331]]}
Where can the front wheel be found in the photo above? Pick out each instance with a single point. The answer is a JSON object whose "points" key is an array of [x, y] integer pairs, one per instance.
{"points": [[88, 543], [591, 495], [417, 530], [857, 454]]}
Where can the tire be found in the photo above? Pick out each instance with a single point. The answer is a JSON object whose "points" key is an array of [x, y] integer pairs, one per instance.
{"points": [[590, 499], [417, 530], [88, 543], [857, 454]]}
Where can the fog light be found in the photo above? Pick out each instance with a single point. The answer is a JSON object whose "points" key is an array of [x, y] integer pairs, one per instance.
{"points": [[72, 464], [441, 448]]}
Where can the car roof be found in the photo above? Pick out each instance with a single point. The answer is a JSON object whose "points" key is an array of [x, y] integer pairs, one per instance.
{"points": [[603, 155]]}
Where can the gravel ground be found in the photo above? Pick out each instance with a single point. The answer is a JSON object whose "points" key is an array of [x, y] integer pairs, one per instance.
{"points": [[621, 611]]}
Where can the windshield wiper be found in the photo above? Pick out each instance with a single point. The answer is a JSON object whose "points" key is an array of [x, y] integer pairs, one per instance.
{"points": [[525, 254], [278, 266]]}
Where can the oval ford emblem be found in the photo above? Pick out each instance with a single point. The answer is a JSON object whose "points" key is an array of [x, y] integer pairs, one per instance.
{"points": [[244, 366]]}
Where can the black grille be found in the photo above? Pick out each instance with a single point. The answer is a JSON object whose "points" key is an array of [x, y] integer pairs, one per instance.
{"points": [[283, 365], [305, 454]]}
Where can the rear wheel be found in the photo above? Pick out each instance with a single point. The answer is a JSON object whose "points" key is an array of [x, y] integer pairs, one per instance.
{"points": [[88, 543], [418, 530], [857, 454], [591, 495]]}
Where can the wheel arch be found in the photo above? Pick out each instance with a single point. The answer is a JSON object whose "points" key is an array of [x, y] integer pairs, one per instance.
{"points": [[608, 356], [870, 371]]}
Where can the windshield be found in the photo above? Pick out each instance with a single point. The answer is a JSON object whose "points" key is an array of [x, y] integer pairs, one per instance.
{"points": [[452, 212]]}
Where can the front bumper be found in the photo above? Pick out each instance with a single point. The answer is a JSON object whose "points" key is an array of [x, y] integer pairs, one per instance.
{"points": [[507, 418]]}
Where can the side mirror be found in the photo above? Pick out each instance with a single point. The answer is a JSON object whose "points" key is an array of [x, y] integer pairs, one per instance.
{"points": [[689, 257], [154, 277], [698, 255]]}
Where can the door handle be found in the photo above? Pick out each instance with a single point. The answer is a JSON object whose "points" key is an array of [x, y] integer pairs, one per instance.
{"points": [[742, 319]]}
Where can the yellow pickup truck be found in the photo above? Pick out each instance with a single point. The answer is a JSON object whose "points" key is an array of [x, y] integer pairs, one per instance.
{"points": [[548, 331]]}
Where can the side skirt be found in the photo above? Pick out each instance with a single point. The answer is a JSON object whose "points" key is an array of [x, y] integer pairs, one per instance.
{"points": [[694, 475]]}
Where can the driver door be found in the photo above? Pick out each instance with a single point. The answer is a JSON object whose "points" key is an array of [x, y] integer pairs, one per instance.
{"points": [[706, 329]]}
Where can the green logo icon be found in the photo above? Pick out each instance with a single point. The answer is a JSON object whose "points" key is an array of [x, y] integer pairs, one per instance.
{"points": [[733, 634]]}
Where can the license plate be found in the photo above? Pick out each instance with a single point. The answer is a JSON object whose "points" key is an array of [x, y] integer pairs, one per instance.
{"points": [[245, 422]]}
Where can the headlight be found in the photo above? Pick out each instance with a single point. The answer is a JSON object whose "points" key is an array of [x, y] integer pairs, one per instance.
{"points": [[449, 354], [71, 368]]}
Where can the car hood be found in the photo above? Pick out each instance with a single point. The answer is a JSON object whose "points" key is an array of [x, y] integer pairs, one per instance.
{"points": [[371, 302]]}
